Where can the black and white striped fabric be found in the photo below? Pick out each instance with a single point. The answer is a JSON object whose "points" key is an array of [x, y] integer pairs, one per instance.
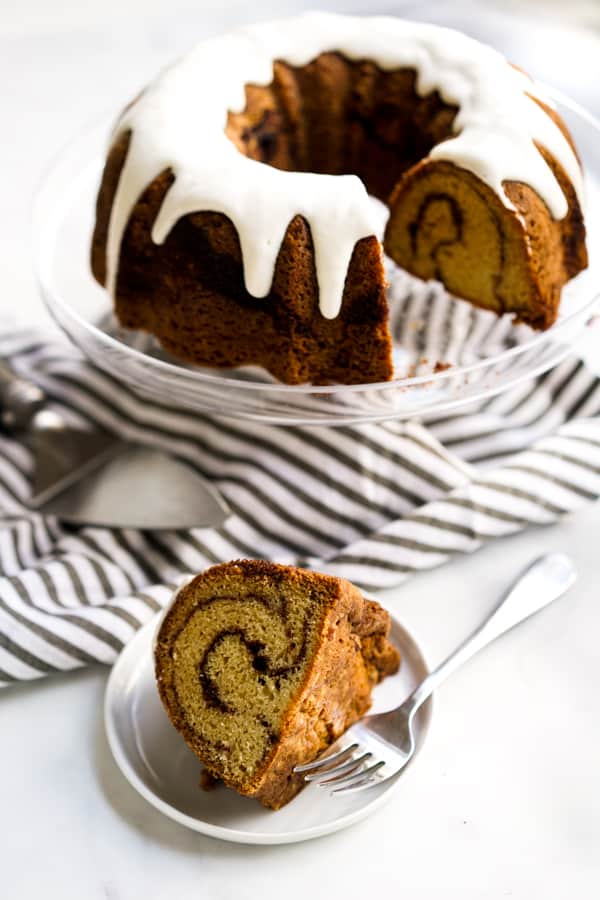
{"points": [[373, 503]]}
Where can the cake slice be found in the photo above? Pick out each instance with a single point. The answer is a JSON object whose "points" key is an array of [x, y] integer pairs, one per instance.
{"points": [[260, 667], [233, 219]]}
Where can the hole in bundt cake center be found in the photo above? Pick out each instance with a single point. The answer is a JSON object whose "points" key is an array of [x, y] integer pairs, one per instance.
{"points": [[335, 116]]}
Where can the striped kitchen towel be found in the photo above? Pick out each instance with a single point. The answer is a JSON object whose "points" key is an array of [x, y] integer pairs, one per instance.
{"points": [[374, 503]]}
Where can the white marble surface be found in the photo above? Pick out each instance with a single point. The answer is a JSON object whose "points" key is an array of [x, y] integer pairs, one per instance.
{"points": [[505, 800]]}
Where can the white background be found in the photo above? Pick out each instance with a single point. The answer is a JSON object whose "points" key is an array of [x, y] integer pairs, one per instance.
{"points": [[505, 799]]}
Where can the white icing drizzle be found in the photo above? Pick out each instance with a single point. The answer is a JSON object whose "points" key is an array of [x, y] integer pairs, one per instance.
{"points": [[179, 123]]}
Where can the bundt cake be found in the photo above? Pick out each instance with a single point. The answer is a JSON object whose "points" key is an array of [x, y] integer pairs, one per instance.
{"points": [[260, 667], [233, 219]]}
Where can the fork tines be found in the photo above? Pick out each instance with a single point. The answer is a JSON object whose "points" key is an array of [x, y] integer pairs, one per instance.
{"points": [[343, 771]]}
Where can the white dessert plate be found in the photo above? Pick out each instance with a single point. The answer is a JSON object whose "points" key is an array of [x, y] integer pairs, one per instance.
{"points": [[159, 765]]}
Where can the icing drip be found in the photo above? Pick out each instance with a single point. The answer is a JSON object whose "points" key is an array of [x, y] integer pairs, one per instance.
{"points": [[496, 126]]}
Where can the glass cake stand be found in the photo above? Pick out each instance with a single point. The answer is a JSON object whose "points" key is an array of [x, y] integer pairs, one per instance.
{"points": [[482, 354]]}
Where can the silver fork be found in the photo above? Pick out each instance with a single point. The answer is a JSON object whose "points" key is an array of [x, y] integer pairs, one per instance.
{"points": [[379, 746]]}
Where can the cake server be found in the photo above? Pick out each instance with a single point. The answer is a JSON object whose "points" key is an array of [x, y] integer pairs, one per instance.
{"points": [[378, 747], [92, 477]]}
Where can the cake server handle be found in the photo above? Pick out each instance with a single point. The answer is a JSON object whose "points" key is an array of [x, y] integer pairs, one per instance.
{"points": [[20, 400]]}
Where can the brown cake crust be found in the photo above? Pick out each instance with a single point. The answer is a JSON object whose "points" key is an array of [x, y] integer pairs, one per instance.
{"points": [[336, 116], [189, 292], [350, 655]]}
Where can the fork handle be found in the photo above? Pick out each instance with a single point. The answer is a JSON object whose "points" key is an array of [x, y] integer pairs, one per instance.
{"points": [[543, 581]]}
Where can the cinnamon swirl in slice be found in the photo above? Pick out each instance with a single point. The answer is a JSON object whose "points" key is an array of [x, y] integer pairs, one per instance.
{"points": [[260, 667]]}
